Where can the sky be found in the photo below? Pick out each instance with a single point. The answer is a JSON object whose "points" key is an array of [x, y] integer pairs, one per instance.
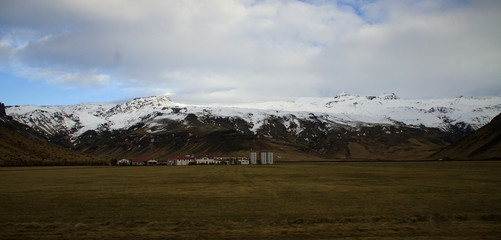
{"points": [[58, 52]]}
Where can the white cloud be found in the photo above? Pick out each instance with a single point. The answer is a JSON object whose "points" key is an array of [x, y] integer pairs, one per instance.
{"points": [[431, 54], [66, 78], [5, 54], [226, 50]]}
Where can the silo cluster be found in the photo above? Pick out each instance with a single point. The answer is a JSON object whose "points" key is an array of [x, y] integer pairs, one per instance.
{"points": [[264, 158]]}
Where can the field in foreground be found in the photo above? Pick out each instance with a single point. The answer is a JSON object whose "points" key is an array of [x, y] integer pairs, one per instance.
{"points": [[411, 200]]}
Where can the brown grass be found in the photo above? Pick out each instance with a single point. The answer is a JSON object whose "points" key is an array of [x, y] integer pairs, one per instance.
{"points": [[412, 200], [19, 148]]}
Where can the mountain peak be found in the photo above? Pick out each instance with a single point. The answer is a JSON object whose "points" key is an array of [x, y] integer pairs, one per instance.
{"points": [[388, 96], [158, 99], [151, 100], [343, 94], [385, 96]]}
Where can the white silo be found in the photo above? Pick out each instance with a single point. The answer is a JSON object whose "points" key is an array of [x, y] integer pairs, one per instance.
{"points": [[269, 157], [262, 158], [253, 158]]}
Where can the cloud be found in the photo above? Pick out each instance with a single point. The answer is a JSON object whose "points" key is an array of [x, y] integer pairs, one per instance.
{"points": [[428, 54], [66, 78], [207, 51], [5, 54]]}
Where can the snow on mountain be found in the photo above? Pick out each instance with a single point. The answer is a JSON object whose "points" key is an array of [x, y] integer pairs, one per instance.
{"points": [[346, 109], [388, 109]]}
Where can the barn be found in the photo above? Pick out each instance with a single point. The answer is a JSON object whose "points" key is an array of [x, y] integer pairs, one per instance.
{"points": [[140, 161]]}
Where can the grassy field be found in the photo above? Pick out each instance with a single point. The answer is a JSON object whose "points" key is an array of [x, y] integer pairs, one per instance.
{"points": [[402, 200]]}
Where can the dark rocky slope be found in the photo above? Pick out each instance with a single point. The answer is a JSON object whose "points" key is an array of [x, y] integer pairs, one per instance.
{"points": [[485, 143]]}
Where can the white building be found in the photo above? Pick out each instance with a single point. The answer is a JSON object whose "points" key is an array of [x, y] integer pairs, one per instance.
{"points": [[205, 160], [243, 161], [123, 162], [184, 161]]}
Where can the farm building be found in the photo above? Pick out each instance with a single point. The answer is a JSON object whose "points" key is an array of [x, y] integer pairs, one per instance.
{"points": [[266, 158], [123, 162], [223, 161], [183, 161], [139, 161], [205, 160], [152, 162], [171, 162], [231, 160], [143, 162], [243, 161]]}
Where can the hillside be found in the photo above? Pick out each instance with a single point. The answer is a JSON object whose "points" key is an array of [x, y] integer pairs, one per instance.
{"points": [[343, 127], [485, 143], [21, 146]]}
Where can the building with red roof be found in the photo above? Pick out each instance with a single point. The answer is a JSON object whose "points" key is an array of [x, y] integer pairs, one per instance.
{"points": [[143, 162]]}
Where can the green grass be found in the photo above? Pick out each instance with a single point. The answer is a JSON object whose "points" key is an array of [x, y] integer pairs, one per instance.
{"points": [[411, 200]]}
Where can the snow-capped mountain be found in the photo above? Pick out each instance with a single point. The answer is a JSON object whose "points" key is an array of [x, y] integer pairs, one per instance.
{"points": [[309, 122], [345, 109]]}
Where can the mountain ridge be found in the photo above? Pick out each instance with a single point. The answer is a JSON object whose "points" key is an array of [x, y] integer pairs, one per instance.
{"points": [[22, 146], [344, 126], [343, 109]]}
